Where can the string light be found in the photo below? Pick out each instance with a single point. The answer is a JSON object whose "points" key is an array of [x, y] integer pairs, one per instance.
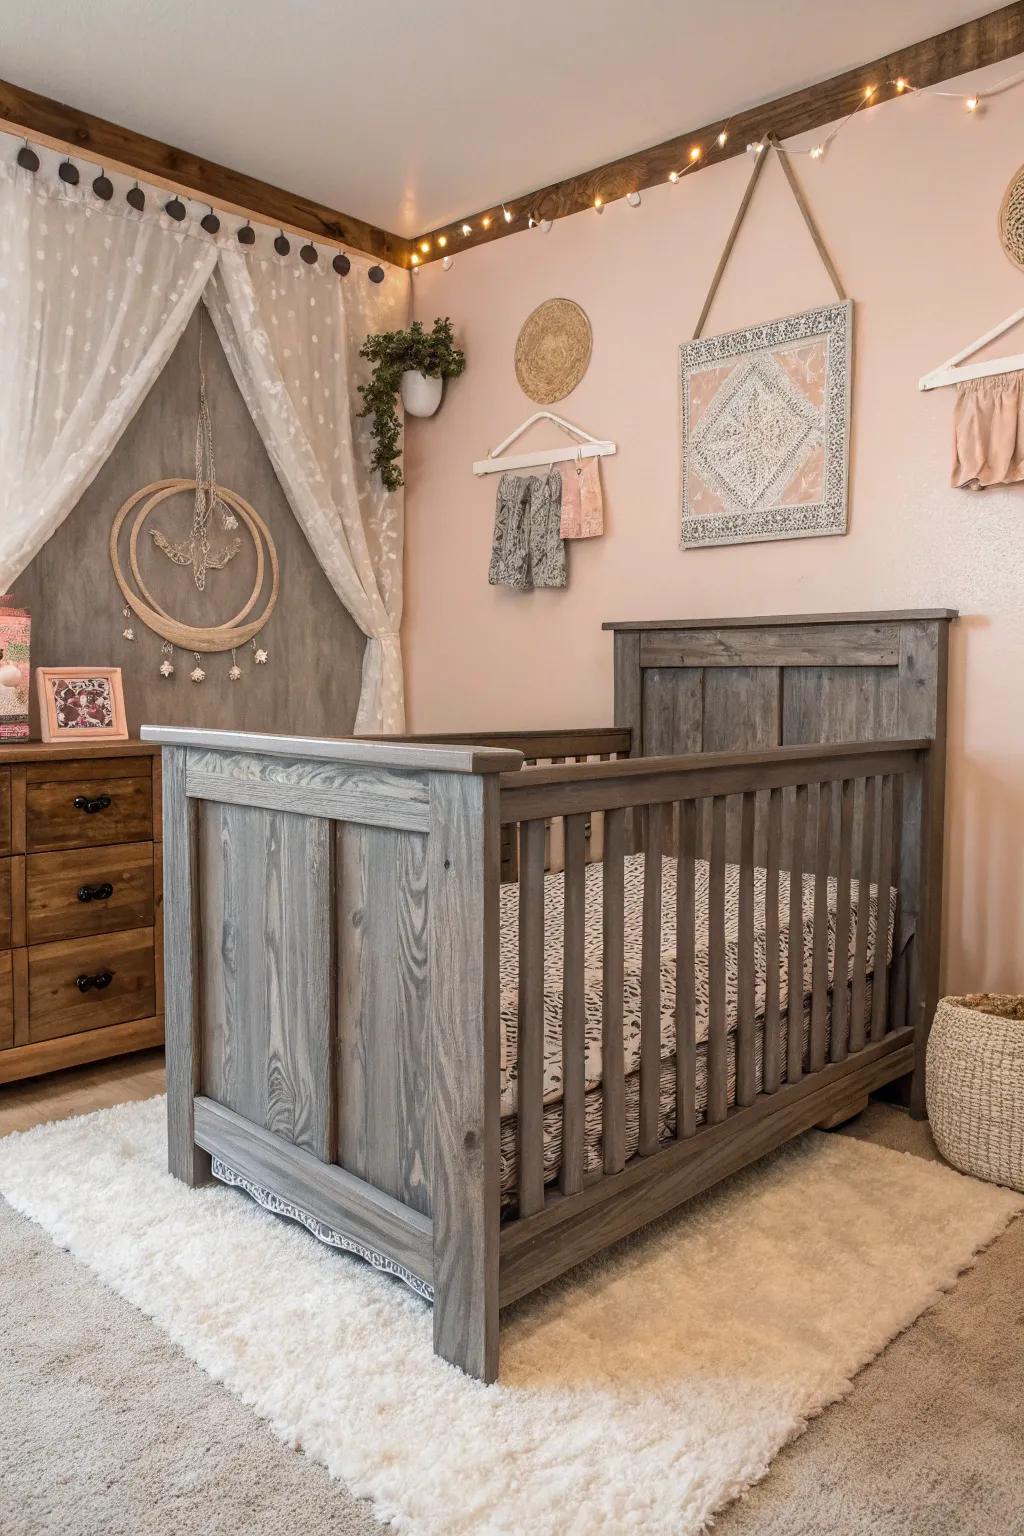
{"points": [[442, 240], [633, 199], [415, 258], [723, 139], [901, 83], [673, 175], [695, 154], [486, 221], [972, 104], [424, 246], [508, 214], [869, 91], [467, 229], [599, 205]]}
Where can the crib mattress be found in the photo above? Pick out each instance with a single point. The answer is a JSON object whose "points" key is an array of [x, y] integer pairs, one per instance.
{"points": [[554, 886]]}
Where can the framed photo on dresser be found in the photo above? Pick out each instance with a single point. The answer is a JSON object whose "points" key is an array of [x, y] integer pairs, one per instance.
{"points": [[81, 704]]}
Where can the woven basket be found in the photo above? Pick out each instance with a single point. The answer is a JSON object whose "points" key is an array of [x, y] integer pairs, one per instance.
{"points": [[975, 1077]]}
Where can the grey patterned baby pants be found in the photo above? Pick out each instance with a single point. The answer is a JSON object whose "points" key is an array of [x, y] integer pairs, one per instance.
{"points": [[528, 550]]}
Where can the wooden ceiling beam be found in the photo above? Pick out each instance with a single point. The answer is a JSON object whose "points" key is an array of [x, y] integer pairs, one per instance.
{"points": [[67, 130], [987, 40]]}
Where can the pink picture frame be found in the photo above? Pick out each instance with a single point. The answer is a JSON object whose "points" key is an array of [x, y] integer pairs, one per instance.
{"points": [[81, 704]]}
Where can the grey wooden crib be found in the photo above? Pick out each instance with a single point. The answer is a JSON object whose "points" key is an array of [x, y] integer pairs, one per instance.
{"points": [[479, 1006]]}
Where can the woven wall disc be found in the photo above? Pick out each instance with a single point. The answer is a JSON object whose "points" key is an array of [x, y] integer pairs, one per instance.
{"points": [[553, 350], [1011, 220]]}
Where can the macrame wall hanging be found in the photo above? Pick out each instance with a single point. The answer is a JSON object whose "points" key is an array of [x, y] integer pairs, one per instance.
{"points": [[766, 413], [211, 544]]}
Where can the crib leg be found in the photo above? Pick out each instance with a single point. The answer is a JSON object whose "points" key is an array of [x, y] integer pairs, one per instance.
{"points": [[849, 1111], [463, 862]]}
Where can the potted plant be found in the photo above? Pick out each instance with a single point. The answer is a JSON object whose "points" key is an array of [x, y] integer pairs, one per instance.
{"points": [[416, 363]]}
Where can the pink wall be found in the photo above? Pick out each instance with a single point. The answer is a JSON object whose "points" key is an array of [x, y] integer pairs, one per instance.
{"points": [[907, 198]]}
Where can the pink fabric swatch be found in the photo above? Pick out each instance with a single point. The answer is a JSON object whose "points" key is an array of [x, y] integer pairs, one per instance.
{"points": [[582, 501], [988, 432]]}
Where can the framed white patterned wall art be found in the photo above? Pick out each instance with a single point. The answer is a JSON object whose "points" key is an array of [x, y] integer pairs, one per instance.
{"points": [[766, 429]]}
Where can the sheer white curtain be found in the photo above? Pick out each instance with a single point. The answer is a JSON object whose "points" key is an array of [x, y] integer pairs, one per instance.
{"points": [[292, 336], [92, 303]]}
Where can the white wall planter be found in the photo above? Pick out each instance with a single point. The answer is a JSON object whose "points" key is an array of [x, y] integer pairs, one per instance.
{"points": [[421, 395]]}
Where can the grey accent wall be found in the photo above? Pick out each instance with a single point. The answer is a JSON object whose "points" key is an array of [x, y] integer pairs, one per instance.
{"points": [[310, 683]]}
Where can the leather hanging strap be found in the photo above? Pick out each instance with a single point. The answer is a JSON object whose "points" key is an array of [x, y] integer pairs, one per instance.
{"points": [[808, 217]]}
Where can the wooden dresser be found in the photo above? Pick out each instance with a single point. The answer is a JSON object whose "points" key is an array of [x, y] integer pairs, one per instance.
{"points": [[81, 900]]}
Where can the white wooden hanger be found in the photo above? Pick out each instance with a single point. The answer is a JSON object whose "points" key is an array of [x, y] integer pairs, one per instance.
{"points": [[585, 447], [950, 373]]}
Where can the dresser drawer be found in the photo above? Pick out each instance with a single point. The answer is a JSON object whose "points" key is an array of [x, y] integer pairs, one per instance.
{"points": [[63, 997], [88, 811], [87, 891], [6, 895], [6, 1002], [5, 810]]}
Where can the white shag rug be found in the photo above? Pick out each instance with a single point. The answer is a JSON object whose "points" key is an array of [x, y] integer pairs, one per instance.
{"points": [[640, 1394]]}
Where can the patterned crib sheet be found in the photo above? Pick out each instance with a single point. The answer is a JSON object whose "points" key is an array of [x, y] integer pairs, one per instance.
{"points": [[554, 887]]}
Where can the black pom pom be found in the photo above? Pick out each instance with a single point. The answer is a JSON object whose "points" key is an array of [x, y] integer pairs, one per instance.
{"points": [[136, 199], [376, 274], [103, 188], [69, 173], [308, 254], [210, 222], [282, 245], [341, 264], [247, 235], [28, 159], [175, 209]]}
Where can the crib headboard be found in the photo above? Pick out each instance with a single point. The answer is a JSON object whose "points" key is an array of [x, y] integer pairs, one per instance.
{"points": [[738, 685]]}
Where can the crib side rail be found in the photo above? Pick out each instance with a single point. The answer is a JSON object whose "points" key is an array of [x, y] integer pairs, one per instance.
{"points": [[761, 1060]]}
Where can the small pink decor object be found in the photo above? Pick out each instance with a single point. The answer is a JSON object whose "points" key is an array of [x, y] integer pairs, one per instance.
{"points": [[81, 704], [582, 502], [15, 631], [988, 432], [766, 429]]}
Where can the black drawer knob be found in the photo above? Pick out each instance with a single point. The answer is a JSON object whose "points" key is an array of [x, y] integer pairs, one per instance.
{"points": [[91, 805], [101, 979], [95, 892]]}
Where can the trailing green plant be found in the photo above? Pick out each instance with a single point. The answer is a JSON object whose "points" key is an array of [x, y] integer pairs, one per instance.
{"points": [[392, 353]]}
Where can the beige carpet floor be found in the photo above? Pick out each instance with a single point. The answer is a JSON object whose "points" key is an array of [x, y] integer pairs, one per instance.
{"points": [[106, 1428]]}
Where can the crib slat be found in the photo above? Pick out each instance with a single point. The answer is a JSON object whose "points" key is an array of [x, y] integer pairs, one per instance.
{"points": [[841, 965], [880, 988], [686, 1004], [898, 968], [650, 983], [718, 1102], [531, 1017], [858, 1020], [613, 1081], [819, 955], [745, 1074], [772, 1074], [574, 1043], [795, 953]]}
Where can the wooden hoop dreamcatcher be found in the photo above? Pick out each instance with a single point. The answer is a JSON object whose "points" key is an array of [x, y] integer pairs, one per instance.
{"points": [[239, 629]]}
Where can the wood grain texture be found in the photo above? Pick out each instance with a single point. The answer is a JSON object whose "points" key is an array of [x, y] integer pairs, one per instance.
{"points": [[463, 883], [717, 1108], [321, 1190], [530, 1064], [795, 948], [746, 1081], [840, 1035], [673, 711], [5, 810], [858, 994], [56, 1005], [686, 999], [613, 1079], [820, 980], [6, 903], [74, 1050], [181, 981], [295, 691], [119, 148], [772, 1075], [53, 821], [266, 970], [779, 620], [54, 908], [383, 1048], [19, 963], [873, 645], [379, 797], [880, 973], [572, 1228], [839, 703], [574, 1044], [741, 709], [6, 1001]]}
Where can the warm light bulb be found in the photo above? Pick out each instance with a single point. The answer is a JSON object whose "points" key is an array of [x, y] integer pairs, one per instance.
{"points": [[695, 153], [869, 91], [415, 259], [467, 229], [755, 148], [722, 139], [486, 221], [442, 239], [508, 215], [673, 175], [817, 151], [424, 246], [599, 204], [901, 84], [972, 104]]}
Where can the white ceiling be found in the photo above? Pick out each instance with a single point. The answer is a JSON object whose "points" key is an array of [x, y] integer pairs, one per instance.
{"points": [[409, 113]]}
